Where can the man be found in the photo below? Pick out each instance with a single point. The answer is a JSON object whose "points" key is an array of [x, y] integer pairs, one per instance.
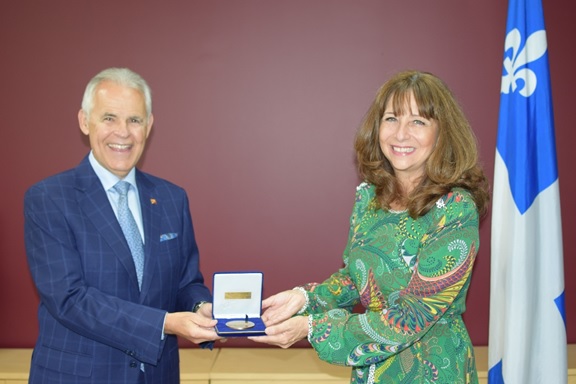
{"points": [[113, 296]]}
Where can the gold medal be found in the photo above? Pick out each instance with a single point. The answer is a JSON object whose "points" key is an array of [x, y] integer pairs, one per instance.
{"points": [[240, 324]]}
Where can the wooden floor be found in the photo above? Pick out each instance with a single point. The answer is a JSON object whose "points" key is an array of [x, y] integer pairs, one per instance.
{"points": [[249, 365]]}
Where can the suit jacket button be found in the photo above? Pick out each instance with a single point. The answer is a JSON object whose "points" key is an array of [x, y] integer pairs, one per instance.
{"points": [[133, 364]]}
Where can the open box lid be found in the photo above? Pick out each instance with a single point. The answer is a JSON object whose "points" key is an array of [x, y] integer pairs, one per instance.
{"points": [[237, 295]]}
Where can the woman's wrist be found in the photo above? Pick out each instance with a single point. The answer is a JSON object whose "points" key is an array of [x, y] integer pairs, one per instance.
{"points": [[306, 302], [309, 335]]}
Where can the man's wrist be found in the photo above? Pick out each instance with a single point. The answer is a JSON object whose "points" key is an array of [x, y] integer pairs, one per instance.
{"points": [[164, 327], [197, 306]]}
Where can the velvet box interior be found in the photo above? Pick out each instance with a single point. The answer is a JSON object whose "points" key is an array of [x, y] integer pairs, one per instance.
{"points": [[237, 303]]}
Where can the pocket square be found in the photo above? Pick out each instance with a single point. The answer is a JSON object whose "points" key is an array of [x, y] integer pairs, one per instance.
{"points": [[168, 236]]}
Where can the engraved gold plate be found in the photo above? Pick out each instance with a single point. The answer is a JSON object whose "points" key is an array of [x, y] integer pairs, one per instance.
{"points": [[237, 295]]}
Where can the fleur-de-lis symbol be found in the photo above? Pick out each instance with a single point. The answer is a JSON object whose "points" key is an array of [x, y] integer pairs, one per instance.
{"points": [[534, 49]]}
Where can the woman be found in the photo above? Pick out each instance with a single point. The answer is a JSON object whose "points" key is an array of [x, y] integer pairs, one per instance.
{"points": [[412, 243]]}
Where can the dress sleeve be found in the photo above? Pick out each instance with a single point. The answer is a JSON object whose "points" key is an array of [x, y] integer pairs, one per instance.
{"points": [[437, 289]]}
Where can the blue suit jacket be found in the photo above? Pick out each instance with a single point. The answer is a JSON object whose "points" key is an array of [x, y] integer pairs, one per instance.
{"points": [[96, 326]]}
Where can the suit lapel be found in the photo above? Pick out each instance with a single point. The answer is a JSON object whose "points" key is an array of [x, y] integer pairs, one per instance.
{"points": [[151, 218], [94, 203]]}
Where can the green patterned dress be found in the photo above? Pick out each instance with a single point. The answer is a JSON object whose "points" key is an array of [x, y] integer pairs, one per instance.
{"points": [[411, 277]]}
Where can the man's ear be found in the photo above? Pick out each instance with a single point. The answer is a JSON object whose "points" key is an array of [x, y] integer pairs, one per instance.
{"points": [[150, 123], [83, 122]]}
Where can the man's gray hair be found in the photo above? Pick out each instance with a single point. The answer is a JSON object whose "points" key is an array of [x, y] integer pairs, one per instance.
{"points": [[121, 76]]}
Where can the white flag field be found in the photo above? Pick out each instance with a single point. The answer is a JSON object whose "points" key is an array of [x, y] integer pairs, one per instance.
{"points": [[527, 341]]}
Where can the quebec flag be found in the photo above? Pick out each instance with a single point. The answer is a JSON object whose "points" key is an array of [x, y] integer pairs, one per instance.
{"points": [[527, 341]]}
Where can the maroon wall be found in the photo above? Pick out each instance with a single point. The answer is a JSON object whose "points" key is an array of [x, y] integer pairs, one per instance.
{"points": [[256, 104]]}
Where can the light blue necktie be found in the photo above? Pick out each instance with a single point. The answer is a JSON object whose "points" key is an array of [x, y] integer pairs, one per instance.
{"points": [[130, 229]]}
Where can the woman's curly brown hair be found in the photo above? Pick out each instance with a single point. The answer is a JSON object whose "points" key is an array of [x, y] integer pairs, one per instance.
{"points": [[453, 162]]}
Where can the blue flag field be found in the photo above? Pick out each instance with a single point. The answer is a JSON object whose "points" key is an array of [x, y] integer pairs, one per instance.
{"points": [[527, 341]]}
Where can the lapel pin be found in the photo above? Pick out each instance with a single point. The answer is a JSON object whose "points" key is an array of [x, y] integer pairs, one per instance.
{"points": [[153, 201]]}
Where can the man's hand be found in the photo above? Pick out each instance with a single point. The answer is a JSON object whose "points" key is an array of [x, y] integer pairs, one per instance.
{"points": [[197, 327]]}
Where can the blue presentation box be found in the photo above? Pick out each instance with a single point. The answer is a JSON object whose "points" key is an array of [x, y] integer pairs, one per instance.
{"points": [[237, 303]]}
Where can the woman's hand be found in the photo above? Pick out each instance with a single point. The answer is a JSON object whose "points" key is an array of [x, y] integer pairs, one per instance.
{"points": [[286, 333], [282, 306]]}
